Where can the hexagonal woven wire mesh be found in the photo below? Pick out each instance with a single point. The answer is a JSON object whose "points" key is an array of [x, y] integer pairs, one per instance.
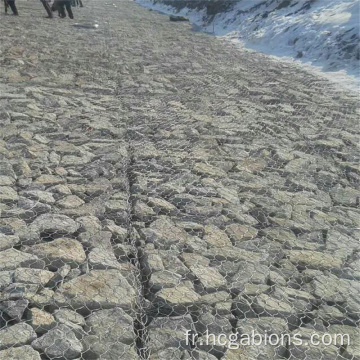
{"points": [[164, 195]]}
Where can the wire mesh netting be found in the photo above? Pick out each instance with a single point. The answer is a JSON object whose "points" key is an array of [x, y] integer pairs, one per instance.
{"points": [[164, 195]]}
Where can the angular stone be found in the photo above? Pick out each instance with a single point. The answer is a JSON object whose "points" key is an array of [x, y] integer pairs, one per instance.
{"points": [[60, 252], [211, 322], [266, 305], [54, 223], [69, 202], [16, 335], [209, 277], [20, 353], [118, 232], [59, 276], [231, 254], [209, 170], [98, 289], [100, 239], [239, 233], [123, 252], [11, 259], [314, 259], [89, 224], [264, 326], [163, 279], [164, 233], [49, 180], [14, 309], [176, 300], [102, 259], [111, 326], [40, 320], [38, 195], [249, 272], [161, 206], [169, 353], [95, 349], [59, 342], [307, 351], [191, 259], [8, 241], [166, 332], [32, 276], [67, 316], [345, 196], [8, 194], [216, 237]]}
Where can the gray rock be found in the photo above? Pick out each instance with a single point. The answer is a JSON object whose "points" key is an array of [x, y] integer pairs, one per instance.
{"points": [[39, 195], [314, 259], [20, 353], [16, 335], [111, 326], [238, 233], [6, 278], [249, 272], [8, 241], [123, 252], [209, 277], [266, 305], [264, 326], [69, 202], [59, 276], [100, 239], [14, 309], [345, 196], [168, 332], [40, 320], [163, 279], [90, 224], [32, 276], [102, 259], [107, 351], [54, 223], [119, 233], [99, 289], [60, 252], [8, 194], [17, 291], [59, 342], [169, 353], [164, 233], [11, 259], [67, 316], [212, 323], [216, 237], [176, 300]]}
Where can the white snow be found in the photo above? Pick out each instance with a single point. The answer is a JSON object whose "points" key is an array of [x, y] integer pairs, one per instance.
{"points": [[321, 33]]}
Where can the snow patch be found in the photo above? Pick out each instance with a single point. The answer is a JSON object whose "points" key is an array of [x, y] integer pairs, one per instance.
{"points": [[322, 33]]}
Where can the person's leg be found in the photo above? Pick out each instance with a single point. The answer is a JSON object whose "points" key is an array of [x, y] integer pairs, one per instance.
{"points": [[6, 5], [69, 10], [47, 8], [61, 8], [81, 4], [13, 6]]}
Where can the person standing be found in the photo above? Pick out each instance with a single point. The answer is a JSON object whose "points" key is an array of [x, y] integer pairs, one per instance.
{"points": [[61, 5], [11, 4]]}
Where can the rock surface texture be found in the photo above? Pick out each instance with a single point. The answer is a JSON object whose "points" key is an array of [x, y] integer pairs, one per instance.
{"points": [[157, 182]]}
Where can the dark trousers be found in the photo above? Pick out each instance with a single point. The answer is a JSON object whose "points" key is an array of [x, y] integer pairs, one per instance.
{"points": [[77, 3], [47, 8], [12, 5], [62, 4]]}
